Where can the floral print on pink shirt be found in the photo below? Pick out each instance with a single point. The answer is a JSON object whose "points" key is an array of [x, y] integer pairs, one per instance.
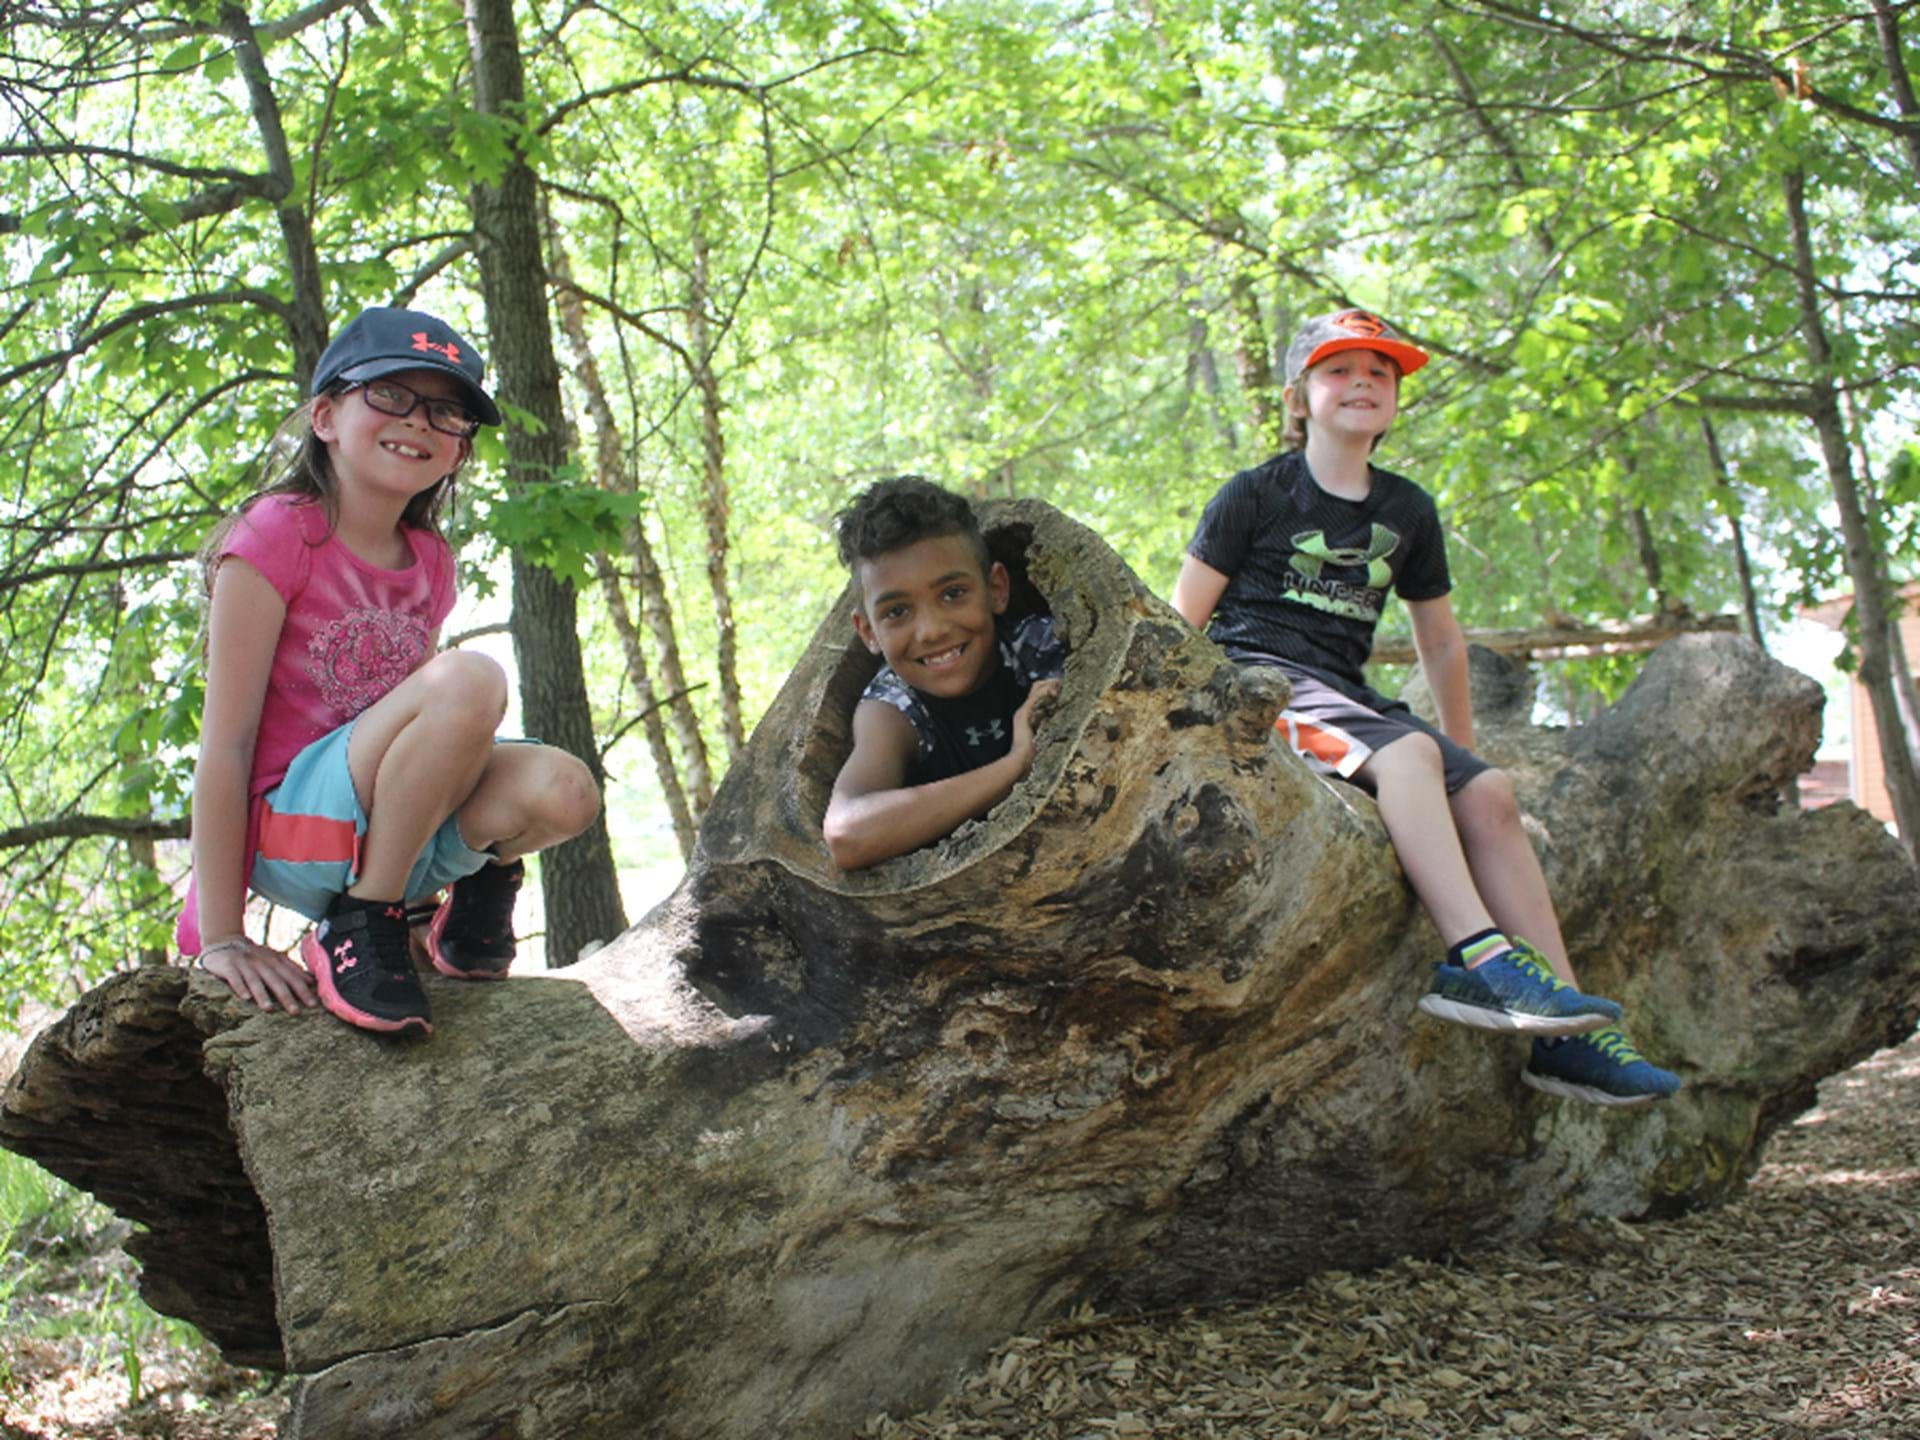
{"points": [[359, 657]]}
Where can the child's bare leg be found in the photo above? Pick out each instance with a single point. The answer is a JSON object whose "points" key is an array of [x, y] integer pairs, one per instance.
{"points": [[415, 756], [1409, 783], [1506, 872], [530, 797]]}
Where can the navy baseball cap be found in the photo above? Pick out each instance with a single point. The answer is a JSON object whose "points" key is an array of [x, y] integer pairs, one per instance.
{"points": [[1326, 335], [382, 340]]}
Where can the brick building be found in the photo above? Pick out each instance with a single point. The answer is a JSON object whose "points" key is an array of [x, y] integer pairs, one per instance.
{"points": [[1867, 780]]}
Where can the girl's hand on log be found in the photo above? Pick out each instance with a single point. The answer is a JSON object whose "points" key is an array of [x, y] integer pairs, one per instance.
{"points": [[1043, 692], [253, 972]]}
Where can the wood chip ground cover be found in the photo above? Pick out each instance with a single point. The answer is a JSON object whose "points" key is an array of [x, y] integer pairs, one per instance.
{"points": [[1794, 1312]]}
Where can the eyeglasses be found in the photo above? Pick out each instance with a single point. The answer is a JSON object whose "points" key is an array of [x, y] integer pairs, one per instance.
{"points": [[390, 397]]}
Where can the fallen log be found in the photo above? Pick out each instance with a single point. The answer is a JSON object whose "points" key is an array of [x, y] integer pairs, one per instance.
{"points": [[1570, 639], [801, 1146]]}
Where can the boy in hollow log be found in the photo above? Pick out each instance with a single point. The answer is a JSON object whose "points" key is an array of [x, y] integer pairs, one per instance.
{"points": [[945, 730]]}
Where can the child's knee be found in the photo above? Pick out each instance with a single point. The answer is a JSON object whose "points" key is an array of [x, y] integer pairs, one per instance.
{"points": [[1414, 757], [1488, 800], [468, 685], [567, 794]]}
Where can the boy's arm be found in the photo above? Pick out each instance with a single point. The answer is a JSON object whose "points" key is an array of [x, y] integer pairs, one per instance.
{"points": [[874, 816], [1443, 656], [1197, 591]]}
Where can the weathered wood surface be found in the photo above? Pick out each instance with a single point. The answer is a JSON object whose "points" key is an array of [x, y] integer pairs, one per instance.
{"points": [[1569, 637], [801, 1146]]}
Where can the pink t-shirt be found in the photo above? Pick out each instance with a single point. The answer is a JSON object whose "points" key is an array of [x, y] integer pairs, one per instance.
{"points": [[352, 632]]}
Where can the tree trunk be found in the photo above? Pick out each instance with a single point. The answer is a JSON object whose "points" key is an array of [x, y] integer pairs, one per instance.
{"points": [[1906, 691], [610, 465], [1253, 360], [656, 613], [1649, 554], [578, 883], [1906, 695], [1204, 369], [145, 858], [715, 505], [307, 320], [1887, 23], [651, 707], [1730, 507], [804, 1144], [1865, 564]]}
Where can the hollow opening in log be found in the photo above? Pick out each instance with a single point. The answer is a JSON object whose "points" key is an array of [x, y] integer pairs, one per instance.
{"points": [[830, 733]]}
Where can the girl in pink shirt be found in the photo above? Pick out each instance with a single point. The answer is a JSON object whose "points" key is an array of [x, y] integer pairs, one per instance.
{"points": [[345, 766]]}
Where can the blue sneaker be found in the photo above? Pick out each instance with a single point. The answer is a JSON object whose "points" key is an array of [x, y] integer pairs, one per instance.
{"points": [[1516, 991], [1602, 1067]]}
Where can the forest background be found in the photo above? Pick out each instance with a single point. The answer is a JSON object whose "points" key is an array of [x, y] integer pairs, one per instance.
{"points": [[731, 262]]}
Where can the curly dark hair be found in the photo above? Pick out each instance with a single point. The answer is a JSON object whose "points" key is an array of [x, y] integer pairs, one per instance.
{"points": [[903, 510]]}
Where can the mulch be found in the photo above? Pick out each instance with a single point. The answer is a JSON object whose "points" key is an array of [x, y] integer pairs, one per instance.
{"points": [[1792, 1312]]}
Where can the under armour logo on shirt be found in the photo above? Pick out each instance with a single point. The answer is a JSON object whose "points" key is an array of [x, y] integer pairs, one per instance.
{"points": [[976, 736]]}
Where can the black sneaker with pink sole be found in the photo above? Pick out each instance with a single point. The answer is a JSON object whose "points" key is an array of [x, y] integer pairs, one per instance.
{"points": [[360, 962], [471, 937]]}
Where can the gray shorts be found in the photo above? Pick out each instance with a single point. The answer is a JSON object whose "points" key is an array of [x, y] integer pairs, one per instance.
{"points": [[1336, 734]]}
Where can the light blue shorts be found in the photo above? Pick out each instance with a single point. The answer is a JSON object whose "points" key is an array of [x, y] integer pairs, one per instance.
{"points": [[310, 829]]}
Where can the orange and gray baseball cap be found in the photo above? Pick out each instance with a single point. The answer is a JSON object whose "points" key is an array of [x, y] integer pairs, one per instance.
{"points": [[1326, 335], [383, 340]]}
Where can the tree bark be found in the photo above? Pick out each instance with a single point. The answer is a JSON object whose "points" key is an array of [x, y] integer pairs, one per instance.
{"points": [[1556, 641], [307, 320], [1253, 361], [1887, 24], [715, 504], [610, 465], [641, 679], [804, 1144], [1865, 564], [1649, 554], [1730, 507], [578, 883]]}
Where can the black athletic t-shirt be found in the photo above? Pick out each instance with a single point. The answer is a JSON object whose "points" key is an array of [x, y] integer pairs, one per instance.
{"points": [[968, 731], [1308, 571]]}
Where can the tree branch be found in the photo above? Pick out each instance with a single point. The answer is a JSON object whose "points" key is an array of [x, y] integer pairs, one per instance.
{"points": [[88, 23], [265, 299], [94, 567], [77, 827], [131, 157]]}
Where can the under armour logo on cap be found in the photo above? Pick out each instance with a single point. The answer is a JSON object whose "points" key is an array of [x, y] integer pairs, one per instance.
{"points": [[450, 350]]}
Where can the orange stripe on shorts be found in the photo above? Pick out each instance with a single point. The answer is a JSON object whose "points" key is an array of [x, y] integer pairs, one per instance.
{"points": [[305, 837], [1308, 738]]}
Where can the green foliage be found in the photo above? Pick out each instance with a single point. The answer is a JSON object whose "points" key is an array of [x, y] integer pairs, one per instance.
{"points": [[561, 522], [56, 1241], [1028, 249]]}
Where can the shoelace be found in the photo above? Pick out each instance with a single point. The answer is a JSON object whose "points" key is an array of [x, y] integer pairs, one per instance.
{"points": [[1612, 1043], [390, 952], [1531, 961]]}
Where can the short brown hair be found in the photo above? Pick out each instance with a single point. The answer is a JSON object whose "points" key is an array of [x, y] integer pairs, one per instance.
{"points": [[903, 510]]}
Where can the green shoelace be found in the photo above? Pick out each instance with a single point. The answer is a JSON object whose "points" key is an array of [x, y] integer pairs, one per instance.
{"points": [[1535, 964], [1609, 1041]]}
